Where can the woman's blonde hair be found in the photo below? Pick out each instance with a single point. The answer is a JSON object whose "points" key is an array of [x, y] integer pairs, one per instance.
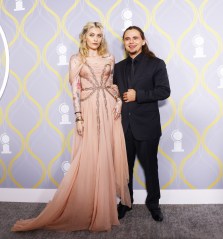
{"points": [[83, 49]]}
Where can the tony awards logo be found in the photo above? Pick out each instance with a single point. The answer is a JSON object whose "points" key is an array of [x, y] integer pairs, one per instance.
{"points": [[4, 138], [19, 6], [177, 141], [61, 52], [65, 166], [64, 111], [198, 43], [127, 18], [220, 75], [4, 62]]}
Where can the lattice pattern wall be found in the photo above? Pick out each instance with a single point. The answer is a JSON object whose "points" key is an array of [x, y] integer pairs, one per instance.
{"points": [[36, 115]]}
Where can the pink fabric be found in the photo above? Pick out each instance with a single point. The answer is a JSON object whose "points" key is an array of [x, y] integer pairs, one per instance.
{"points": [[86, 197]]}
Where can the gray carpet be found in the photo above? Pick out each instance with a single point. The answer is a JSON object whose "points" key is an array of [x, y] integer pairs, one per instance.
{"points": [[180, 221]]}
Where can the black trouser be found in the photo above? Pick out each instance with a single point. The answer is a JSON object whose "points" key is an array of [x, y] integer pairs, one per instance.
{"points": [[147, 155]]}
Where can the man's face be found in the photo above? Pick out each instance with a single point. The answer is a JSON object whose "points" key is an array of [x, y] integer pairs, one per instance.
{"points": [[133, 42]]}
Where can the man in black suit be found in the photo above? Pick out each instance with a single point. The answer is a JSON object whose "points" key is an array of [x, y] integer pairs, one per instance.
{"points": [[142, 81]]}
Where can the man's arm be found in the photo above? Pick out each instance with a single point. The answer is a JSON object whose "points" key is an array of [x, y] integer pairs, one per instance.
{"points": [[114, 75]]}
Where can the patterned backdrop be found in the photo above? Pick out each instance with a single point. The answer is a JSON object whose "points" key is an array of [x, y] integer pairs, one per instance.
{"points": [[36, 113]]}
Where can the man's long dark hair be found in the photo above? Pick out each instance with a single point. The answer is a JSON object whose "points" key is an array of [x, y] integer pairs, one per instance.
{"points": [[145, 48]]}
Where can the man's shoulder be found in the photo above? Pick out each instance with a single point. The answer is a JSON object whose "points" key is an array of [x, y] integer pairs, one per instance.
{"points": [[154, 62], [121, 63], [155, 59]]}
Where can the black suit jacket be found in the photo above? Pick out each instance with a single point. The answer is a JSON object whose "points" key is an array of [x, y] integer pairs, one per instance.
{"points": [[151, 85]]}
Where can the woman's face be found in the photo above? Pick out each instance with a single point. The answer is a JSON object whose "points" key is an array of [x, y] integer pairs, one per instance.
{"points": [[94, 38]]}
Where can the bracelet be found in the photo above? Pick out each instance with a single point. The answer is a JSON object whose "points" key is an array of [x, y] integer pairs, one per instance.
{"points": [[77, 112], [79, 120]]}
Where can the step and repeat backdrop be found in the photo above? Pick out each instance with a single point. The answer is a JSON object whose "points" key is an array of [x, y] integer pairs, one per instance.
{"points": [[36, 113]]}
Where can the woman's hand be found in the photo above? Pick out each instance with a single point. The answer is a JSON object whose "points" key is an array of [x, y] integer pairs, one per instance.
{"points": [[80, 127], [117, 109]]}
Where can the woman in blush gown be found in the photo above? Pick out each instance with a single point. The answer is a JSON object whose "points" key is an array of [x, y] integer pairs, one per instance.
{"points": [[87, 196]]}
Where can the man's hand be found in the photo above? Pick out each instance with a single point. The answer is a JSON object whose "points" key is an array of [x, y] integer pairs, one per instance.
{"points": [[129, 96]]}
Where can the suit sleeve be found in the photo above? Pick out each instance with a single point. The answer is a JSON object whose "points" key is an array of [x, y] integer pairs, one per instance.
{"points": [[161, 89], [114, 75]]}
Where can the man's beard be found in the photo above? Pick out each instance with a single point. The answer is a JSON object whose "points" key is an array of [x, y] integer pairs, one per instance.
{"points": [[133, 52]]}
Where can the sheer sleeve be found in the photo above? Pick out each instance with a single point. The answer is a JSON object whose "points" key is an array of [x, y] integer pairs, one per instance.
{"points": [[74, 79]]}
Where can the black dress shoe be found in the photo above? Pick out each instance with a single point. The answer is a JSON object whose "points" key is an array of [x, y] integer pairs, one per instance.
{"points": [[156, 214], [122, 209]]}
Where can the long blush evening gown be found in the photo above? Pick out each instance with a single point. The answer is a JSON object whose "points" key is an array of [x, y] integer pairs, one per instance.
{"points": [[87, 196]]}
